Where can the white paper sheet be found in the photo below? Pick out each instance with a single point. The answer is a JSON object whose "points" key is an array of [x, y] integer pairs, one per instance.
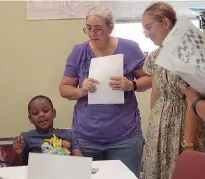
{"points": [[101, 69], [183, 53], [47, 166]]}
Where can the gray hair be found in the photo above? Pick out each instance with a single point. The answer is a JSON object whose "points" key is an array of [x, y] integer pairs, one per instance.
{"points": [[103, 12]]}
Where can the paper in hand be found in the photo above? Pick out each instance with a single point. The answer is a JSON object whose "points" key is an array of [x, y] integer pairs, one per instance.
{"points": [[183, 53], [101, 69]]}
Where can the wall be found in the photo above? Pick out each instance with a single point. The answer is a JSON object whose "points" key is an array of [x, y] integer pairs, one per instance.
{"points": [[33, 56]]}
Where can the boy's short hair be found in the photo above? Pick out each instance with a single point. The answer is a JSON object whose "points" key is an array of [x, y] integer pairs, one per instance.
{"points": [[40, 97]]}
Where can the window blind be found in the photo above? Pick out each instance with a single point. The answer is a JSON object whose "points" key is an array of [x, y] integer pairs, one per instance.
{"points": [[131, 10]]}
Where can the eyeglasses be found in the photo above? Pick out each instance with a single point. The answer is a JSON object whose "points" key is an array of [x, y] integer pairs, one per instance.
{"points": [[97, 31], [149, 28]]}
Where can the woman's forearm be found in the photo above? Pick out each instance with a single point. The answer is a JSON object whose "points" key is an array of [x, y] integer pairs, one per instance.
{"points": [[200, 109], [192, 123], [72, 93], [143, 83], [17, 160]]}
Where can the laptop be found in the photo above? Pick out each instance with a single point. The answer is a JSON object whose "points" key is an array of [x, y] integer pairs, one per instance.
{"points": [[48, 166]]}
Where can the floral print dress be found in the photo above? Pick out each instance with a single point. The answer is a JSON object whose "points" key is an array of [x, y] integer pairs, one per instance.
{"points": [[166, 123]]}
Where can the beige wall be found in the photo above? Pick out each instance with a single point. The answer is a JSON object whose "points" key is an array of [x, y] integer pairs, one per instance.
{"points": [[144, 106], [33, 56]]}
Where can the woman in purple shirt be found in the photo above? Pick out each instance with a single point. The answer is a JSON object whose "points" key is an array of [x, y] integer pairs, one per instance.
{"points": [[106, 132]]}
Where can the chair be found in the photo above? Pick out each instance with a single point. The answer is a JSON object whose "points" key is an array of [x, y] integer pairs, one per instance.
{"points": [[190, 165]]}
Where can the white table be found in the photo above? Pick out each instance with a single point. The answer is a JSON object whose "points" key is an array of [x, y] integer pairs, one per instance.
{"points": [[110, 169]]}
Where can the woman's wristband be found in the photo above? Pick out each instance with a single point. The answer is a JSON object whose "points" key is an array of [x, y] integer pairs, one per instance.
{"points": [[195, 103]]}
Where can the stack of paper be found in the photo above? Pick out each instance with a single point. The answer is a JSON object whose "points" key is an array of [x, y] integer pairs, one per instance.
{"points": [[101, 69], [183, 53]]}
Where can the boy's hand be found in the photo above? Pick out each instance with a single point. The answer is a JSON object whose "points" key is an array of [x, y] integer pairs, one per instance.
{"points": [[76, 152], [18, 145]]}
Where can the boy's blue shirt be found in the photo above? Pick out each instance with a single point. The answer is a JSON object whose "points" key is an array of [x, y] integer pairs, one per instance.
{"points": [[57, 141]]}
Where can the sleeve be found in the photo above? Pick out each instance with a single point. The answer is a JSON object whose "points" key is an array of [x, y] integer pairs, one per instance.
{"points": [[74, 142], [71, 67], [140, 57], [148, 66], [135, 54]]}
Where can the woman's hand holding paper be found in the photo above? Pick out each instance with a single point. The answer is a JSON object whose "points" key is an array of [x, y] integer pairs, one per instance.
{"points": [[121, 83]]}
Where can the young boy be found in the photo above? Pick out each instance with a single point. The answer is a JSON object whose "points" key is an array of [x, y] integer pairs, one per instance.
{"points": [[45, 138]]}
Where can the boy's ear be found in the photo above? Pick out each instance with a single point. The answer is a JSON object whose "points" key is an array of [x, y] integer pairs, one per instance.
{"points": [[54, 113], [30, 119]]}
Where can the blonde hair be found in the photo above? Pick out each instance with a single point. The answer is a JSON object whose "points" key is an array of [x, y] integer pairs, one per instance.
{"points": [[160, 10], [103, 12]]}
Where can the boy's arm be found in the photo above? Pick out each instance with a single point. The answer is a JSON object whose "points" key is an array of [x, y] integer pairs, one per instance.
{"points": [[17, 161], [76, 152], [75, 147], [20, 159], [25, 159], [20, 148]]}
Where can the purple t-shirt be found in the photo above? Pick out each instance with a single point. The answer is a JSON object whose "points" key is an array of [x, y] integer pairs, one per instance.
{"points": [[105, 123]]}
